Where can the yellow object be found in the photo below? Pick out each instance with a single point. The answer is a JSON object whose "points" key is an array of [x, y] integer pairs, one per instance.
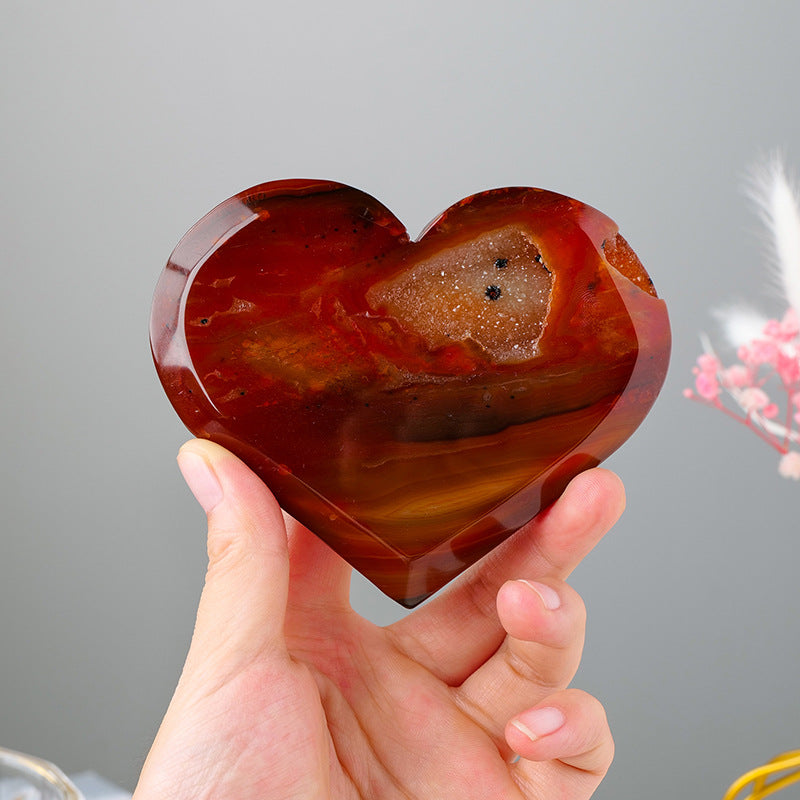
{"points": [[788, 763]]}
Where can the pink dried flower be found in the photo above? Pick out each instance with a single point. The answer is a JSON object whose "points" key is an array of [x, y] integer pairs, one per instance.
{"points": [[743, 354], [770, 411], [737, 376], [790, 325], [753, 399], [772, 328], [708, 363], [763, 352], [768, 349], [789, 465], [788, 368], [707, 386]]}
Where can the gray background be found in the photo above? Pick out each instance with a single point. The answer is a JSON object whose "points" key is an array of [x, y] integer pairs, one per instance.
{"points": [[123, 123]]}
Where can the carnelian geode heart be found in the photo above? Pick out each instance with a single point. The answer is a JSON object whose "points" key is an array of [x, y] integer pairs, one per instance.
{"points": [[412, 403]]}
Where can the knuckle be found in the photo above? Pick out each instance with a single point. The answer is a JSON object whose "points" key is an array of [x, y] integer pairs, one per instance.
{"points": [[481, 593], [549, 674], [228, 542]]}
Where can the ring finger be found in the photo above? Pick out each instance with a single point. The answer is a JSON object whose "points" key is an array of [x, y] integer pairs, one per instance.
{"points": [[545, 624]]}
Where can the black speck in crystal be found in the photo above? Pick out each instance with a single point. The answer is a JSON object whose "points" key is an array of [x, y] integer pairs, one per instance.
{"points": [[493, 292], [501, 263], [204, 321]]}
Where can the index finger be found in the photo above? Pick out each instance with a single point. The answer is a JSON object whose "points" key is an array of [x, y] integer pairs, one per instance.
{"points": [[458, 630]]}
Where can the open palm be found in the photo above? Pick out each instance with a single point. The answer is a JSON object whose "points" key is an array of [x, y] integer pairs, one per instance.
{"points": [[288, 693]]}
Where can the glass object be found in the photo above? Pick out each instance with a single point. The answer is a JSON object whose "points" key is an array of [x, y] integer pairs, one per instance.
{"points": [[411, 402], [24, 777]]}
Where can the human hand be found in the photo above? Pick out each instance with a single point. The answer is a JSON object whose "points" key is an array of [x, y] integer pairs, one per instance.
{"points": [[288, 693]]}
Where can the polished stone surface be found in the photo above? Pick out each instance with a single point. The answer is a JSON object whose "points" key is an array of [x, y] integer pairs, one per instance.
{"points": [[412, 402]]}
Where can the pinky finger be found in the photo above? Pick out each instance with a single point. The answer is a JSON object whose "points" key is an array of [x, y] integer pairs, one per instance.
{"points": [[570, 729]]}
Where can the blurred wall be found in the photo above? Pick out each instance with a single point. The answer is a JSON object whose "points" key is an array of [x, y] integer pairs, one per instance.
{"points": [[123, 123]]}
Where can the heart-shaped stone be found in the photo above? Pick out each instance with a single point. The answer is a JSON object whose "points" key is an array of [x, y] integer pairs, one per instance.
{"points": [[412, 403]]}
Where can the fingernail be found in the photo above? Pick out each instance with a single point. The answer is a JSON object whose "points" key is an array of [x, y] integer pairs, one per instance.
{"points": [[200, 478], [549, 596], [539, 722]]}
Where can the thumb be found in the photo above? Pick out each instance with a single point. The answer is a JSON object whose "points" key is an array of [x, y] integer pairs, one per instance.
{"points": [[243, 604]]}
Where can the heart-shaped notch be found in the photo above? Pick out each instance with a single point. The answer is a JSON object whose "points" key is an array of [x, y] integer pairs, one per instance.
{"points": [[412, 402]]}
